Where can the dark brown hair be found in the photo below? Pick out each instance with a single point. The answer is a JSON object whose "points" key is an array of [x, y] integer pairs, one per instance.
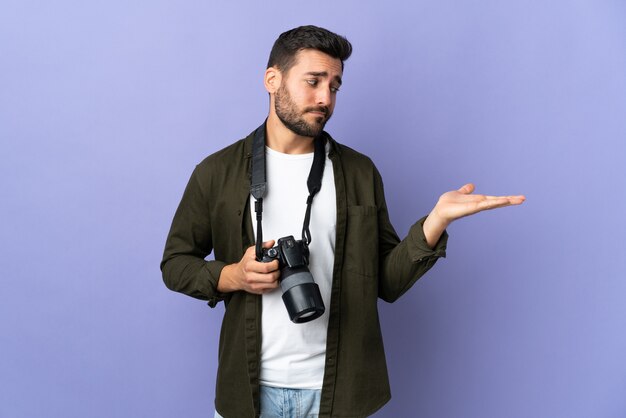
{"points": [[283, 54]]}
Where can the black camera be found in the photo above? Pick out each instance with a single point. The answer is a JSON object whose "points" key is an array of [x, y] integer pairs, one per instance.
{"points": [[300, 292]]}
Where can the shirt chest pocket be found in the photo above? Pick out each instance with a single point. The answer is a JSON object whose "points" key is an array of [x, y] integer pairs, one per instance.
{"points": [[362, 240]]}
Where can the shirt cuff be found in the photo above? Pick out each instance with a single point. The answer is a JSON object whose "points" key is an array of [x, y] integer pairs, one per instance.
{"points": [[418, 247], [214, 269]]}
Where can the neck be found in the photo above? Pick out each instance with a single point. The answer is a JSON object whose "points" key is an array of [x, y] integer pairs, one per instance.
{"points": [[280, 138]]}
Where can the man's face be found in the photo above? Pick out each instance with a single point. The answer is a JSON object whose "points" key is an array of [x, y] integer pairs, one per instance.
{"points": [[305, 100]]}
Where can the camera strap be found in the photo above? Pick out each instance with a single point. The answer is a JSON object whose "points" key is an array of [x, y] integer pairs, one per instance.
{"points": [[258, 183]]}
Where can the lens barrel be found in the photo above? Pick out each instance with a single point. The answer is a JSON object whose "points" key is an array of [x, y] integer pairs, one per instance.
{"points": [[301, 295]]}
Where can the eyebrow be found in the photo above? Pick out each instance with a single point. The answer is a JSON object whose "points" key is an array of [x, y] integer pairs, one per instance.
{"points": [[324, 74]]}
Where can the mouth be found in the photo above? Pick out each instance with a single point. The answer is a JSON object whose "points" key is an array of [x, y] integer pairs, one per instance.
{"points": [[318, 112]]}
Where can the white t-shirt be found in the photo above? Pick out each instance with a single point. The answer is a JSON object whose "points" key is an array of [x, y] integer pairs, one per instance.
{"points": [[293, 355]]}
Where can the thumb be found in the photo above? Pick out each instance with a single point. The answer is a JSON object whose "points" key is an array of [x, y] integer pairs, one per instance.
{"points": [[269, 244], [466, 189]]}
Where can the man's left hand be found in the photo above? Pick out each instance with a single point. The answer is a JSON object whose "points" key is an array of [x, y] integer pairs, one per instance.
{"points": [[459, 203]]}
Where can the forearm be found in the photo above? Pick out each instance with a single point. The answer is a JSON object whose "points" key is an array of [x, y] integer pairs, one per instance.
{"points": [[405, 262], [192, 276]]}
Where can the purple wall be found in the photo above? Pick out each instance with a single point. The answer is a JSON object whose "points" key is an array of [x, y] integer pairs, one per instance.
{"points": [[105, 108]]}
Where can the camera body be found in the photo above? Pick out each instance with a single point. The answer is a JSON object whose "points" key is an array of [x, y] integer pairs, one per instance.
{"points": [[301, 294]]}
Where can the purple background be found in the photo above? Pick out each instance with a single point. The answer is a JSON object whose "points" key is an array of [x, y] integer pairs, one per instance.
{"points": [[105, 107]]}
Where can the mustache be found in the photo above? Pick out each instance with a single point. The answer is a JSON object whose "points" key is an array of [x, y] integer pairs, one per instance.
{"points": [[323, 109]]}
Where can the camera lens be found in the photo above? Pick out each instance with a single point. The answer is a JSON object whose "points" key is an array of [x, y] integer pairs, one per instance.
{"points": [[301, 295]]}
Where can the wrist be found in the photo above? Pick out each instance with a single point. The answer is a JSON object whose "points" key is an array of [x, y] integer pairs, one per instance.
{"points": [[434, 226], [226, 282], [437, 221]]}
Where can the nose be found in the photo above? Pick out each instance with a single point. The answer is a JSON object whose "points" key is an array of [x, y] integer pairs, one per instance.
{"points": [[324, 97]]}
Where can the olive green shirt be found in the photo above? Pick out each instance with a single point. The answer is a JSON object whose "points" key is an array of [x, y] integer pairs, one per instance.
{"points": [[370, 263]]}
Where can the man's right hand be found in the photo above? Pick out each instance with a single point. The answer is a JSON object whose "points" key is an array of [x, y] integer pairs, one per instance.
{"points": [[249, 274]]}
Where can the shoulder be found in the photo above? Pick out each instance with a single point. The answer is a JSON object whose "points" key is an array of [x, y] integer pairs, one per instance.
{"points": [[224, 168], [226, 156], [228, 159]]}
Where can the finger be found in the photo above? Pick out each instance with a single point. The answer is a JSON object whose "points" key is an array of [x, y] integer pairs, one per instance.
{"points": [[254, 278], [261, 289], [496, 200], [513, 200], [494, 203], [466, 189], [507, 197], [262, 278], [492, 197], [247, 257], [251, 251], [258, 267], [516, 200], [268, 267]]}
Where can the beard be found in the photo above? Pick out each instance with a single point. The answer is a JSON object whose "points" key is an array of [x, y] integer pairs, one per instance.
{"points": [[289, 114]]}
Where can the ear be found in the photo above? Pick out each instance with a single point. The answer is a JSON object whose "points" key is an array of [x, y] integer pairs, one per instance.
{"points": [[273, 78]]}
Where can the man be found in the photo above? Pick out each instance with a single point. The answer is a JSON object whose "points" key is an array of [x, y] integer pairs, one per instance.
{"points": [[333, 365]]}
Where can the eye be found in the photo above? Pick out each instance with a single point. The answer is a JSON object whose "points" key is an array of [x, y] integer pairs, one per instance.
{"points": [[334, 89], [312, 82]]}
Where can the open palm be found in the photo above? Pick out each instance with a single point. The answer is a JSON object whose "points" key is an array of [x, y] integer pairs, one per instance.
{"points": [[459, 203]]}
